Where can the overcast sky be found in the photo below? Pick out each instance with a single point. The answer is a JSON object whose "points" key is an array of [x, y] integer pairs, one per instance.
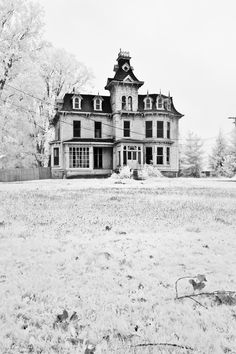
{"points": [[187, 47]]}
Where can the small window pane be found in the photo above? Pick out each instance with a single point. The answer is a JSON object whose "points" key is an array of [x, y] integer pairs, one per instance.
{"points": [[126, 128]]}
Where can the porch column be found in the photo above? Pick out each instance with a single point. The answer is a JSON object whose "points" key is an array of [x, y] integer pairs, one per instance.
{"points": [[67, 157], [121, 155], [91, 158]]}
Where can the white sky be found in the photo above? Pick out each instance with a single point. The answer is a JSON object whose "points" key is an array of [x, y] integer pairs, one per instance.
{"points": [[185, 46]]}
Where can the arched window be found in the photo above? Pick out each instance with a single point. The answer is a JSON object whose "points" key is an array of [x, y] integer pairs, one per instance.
{"points": [[159, 102], [147, 103], [129, 103], [123, 104], [77, 102]]}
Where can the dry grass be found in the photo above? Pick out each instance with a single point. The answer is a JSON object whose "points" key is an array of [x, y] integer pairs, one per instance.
{"points": [[112, 252]]}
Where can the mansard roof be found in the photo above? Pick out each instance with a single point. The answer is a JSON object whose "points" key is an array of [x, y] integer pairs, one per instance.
{"points": [[87, 103], [155, 97]]}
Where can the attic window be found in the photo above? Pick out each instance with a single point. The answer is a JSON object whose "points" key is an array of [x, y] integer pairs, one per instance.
{"points": [[97, 104], [126, 67], [76, 102], [147, 103]]}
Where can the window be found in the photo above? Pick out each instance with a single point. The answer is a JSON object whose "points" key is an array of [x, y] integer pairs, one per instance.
{"points": [[97, 129], [159, 102], [148, 129], [97, 157], [148, 103], [97, 104], [123, 104], [149, 155], [56, 156], [77, 103], [126, 128], [168, 130], [168, 155], [124, 156], [160, 130], [79, 157], [125, 67], [76, 128], [129, 103], [160, 156]]}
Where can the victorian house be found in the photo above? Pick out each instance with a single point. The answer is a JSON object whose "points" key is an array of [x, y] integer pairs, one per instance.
{"points": [[96, 134]]}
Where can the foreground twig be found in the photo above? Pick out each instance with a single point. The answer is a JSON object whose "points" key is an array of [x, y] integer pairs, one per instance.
{"points": [[162, 344], [199, 303], [213, 293]]}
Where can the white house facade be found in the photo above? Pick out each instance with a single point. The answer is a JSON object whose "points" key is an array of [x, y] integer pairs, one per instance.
{"points": [[95, 134]]}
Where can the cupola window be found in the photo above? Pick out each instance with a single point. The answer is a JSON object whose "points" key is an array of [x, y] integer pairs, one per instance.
{"points": [[126, 67], [123, 103], [129, 103]]}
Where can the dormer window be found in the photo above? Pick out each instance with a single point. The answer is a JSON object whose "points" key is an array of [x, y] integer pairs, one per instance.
{"points": [[159, 103], [147, 103], [76, 100], [97, 103], [168, 105], [126, 67]]}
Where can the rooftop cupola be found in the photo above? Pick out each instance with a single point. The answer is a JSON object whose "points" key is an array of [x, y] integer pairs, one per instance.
{"points": [[123, 72]]}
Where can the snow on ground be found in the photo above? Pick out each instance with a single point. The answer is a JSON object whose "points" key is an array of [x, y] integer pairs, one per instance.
{"points": [[111, 251]]}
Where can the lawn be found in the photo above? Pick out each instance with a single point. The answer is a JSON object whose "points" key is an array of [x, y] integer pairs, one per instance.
{"points": [[108, 254]]}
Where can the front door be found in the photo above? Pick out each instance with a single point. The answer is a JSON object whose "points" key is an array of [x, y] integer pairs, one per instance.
{"points": [[97, 158], [149, 155]]}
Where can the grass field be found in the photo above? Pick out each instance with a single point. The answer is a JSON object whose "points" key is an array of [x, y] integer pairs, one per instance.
{"points": [[111, 251]]}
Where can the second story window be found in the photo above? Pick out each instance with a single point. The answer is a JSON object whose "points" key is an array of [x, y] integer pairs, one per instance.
{"points": [[160, 130], [129, 103], [126, 128], [123, 103], [76, 128], [168, 130], [149, 129], [97, 129]]}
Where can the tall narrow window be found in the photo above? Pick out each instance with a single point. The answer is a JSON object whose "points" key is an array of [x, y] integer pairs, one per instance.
{"points": [[123, 103], [160, 103], [77, 103], [168, 155], [149, 129], [97, 157], [168, 130], [126, 128], [160, 130], [97, 129], [160, 156], [148, 103], [149, 155], [56, 156], [98, 104], [129, 103], [124, 156], [76, 128]]}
